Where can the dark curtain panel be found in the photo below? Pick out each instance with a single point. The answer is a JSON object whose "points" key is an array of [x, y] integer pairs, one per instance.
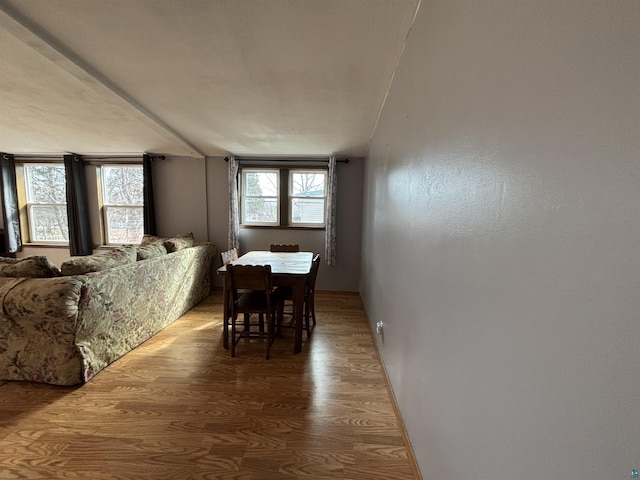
{"points": [[77, 207], [149, 205], [11, 217]]}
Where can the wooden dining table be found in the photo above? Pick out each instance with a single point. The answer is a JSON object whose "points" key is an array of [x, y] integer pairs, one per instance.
{"points": [[287, 269]]}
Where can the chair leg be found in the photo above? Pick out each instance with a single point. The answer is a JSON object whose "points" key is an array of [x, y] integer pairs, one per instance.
{"points": [[306, 318], [225, 331], [233, 336], [273, 320], [225, 322], [269, 334]]}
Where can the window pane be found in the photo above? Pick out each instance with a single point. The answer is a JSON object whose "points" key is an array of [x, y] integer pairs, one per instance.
{"points": [[307, 210], [48, 223], [260, 210], [122, 185], [260, 191], [258, 184], [45, 184], [124, 224], [310, 184]]}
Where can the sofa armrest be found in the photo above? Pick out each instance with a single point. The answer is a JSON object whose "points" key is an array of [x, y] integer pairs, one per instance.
{"points": [[44, 299], [37, 331]]}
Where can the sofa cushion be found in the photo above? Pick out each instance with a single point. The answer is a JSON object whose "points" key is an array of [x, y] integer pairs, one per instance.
{"points": [[98, 262], [131, 250], [179, 242], [148, 239], [37, 266], [151, 251]]}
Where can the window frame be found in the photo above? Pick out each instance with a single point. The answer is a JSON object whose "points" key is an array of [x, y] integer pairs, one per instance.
{"points": [[284, 198], [94, 198], [242, 196], [26, 206], [104, 207], [291, 197]]}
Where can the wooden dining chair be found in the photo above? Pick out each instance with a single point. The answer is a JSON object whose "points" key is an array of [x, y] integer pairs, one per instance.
{"points": [[251, 290], [309, 311], [284, 248], [309, 294], [229, 256]]}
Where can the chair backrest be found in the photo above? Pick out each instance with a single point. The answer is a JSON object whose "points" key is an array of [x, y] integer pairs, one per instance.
{"points": [[315, 266], [229, 256], [249, 277], [284, 248]]}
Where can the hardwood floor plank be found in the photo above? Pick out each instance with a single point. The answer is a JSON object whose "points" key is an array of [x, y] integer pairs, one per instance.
{"points": [[179, 407]]}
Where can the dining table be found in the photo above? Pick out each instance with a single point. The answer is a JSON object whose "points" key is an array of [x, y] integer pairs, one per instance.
{"points": [[288, 269]]}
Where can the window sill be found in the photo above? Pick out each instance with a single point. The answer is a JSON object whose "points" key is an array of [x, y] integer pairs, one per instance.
{"points": [[46, 245], [280, 227]]}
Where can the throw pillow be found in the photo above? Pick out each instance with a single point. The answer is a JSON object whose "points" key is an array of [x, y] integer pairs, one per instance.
{"points": [[151, 251], [150, 240], [97, 263], [179, 242], [131, 251], [37, 266]]}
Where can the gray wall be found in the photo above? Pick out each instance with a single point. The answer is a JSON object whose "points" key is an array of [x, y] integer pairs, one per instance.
{"points": [[342, 277], [192, 196], [501, 238], [180, 192]]}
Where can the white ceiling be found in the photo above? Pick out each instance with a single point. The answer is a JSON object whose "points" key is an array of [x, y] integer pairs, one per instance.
{"points": [[196, 77]]}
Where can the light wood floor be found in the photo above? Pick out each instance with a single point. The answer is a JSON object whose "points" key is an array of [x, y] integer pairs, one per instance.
{"points": [[178, 407]]}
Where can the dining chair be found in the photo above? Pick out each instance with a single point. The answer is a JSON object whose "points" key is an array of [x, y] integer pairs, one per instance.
{"points": [[229, 256], [284, 248], [309, 310], [251, 290], [310, 291]]}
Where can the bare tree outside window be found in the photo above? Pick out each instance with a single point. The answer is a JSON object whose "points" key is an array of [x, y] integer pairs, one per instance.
{"points": [[123, 203], [260, 191], [308, 197], [301, 202], [46, 194]]}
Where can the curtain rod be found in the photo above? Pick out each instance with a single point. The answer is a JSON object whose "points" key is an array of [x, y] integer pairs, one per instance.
{"points": [[118, 157], [278, 160], [33, 157], [84, 157]]}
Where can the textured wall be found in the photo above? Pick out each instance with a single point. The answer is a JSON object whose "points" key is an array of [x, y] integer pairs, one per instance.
{"points": [[342, 277], [191, 196], [180, 191], [501, 238]]}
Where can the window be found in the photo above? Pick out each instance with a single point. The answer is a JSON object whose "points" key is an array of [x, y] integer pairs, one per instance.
{"points": [[283, 197], [46, 203], [307, 197], [122, 203], [260, 197]]}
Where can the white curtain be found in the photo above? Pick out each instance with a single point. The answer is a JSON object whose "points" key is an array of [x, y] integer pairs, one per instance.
{"points": [[330, 231], [233, 239]]}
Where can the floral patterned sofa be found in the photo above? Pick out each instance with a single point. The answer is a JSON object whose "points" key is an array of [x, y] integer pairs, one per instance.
{"points": [[62, 326]]}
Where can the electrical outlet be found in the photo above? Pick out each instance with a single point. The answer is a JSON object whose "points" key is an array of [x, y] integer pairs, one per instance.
{"points": [[379, 328]]}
